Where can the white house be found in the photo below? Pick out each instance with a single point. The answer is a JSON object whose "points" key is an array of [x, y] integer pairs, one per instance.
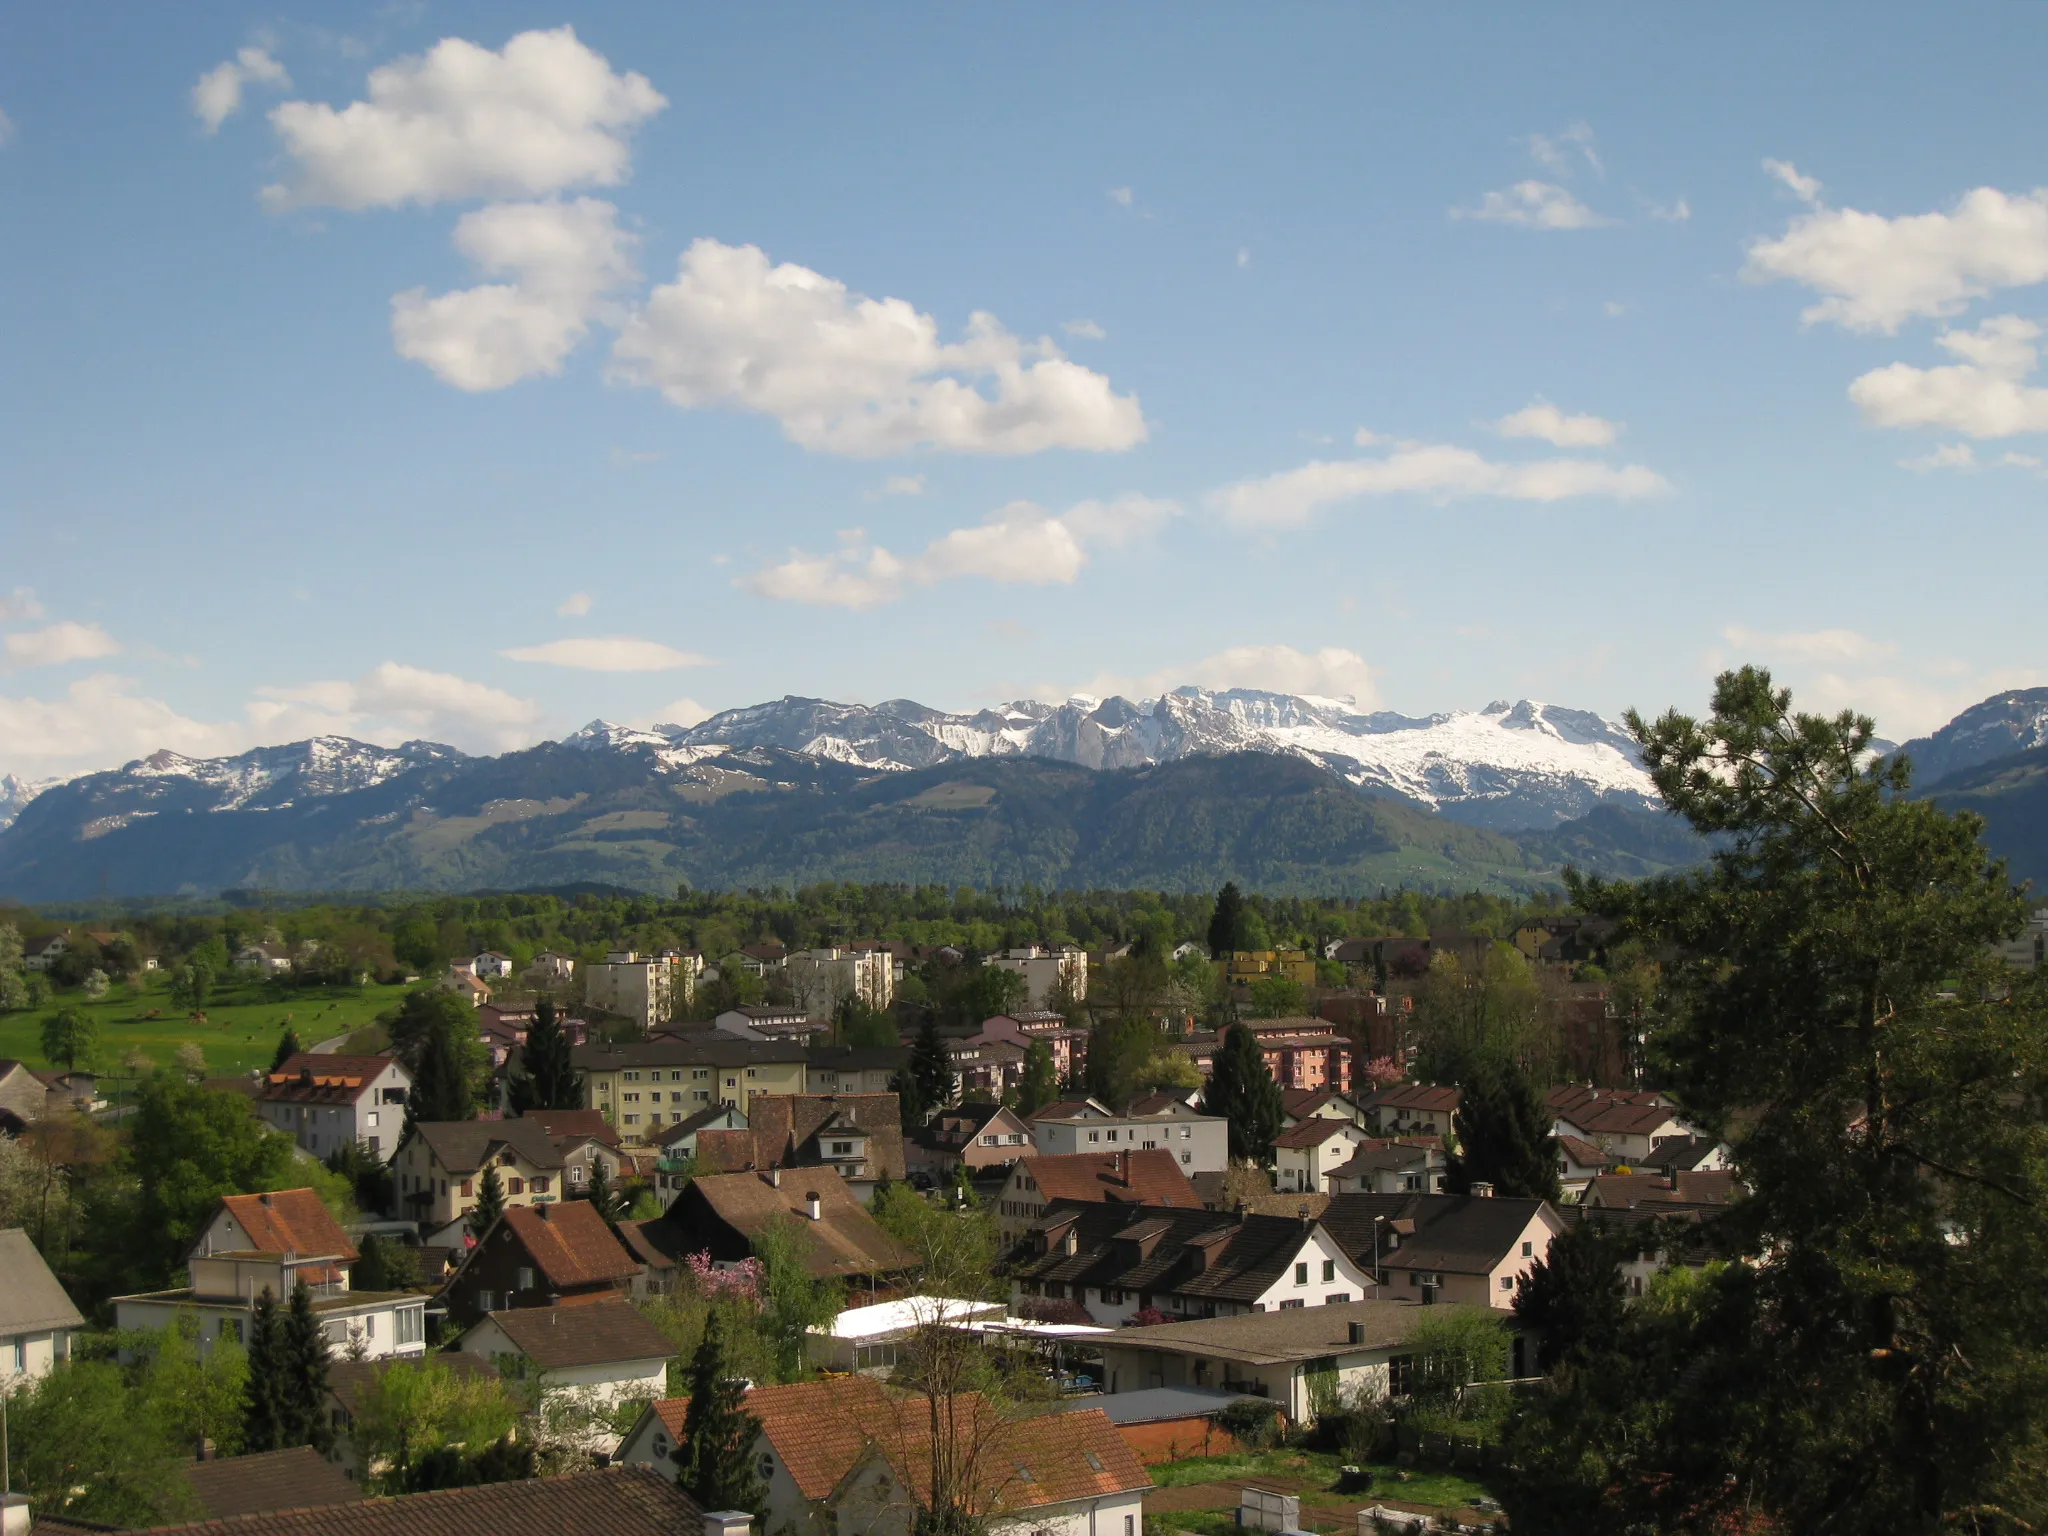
{"points": [[325, 1103], [602, 1352], [1310, 1150], [1200, 1143], [265, 959], [36, 1318], [491, 966], [41, 954], [1044, 970]]}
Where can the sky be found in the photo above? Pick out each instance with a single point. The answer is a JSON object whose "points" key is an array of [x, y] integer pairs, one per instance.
{"points": [[472, 371]]}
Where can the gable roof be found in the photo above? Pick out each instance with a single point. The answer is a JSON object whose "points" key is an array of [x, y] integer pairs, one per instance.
{"points": [[461, 1146], [1612, 1119], [289, 1221], [689, 1126], [845, 1240], [309, 1079], [783, 1124], [1583, 1153], [300, 1478], [596, 1333], [818, 1428], [1461, 1234], [1313, 1132], [1714, 1187], [1431, 1097], [1298, 1333], [614, 1501], [1139, 1177], [568, 1242], [1682, 1153], [1070, 1109], [1189, 1253], [1027, 1463], [1301, 1102], [561, 1124], [1384, 1153], [32, 1301]]}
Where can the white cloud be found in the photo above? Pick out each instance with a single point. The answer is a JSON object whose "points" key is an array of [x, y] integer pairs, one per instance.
{"points": [[1244, 258], [1087, 330], [1837, 646], [897, 485], [1947, 456], [1983, 395], [57, 643], [97, 722], [1561, 152], [607, 653], [1542, 419], [544, 114], [218, 95], [1614, 309], [1671, 213], [1289, 499], [2019, 461], [1123, 197], [574, 606], [1019, 543], [1805, 188], [563, 258], [1534, 205], [19, 604], [1877, 273], [844, 373], [1330, 673]]}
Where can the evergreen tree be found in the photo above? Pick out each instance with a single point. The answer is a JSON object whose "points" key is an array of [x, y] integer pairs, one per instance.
{"points": [[603, 1199], [929, 1067], [547, 1077], [1226, 925], [1573, 1298], [287, 1047], [490, 1203], [716, 1457], [303, 1391], [1041, 1081], [440, 1086], [1241, 1090], [265, 1426], [909, 1102], [1504, 1134]]}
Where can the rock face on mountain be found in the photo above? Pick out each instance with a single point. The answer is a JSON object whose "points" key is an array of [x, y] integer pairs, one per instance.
{"points": [[2001, 725]]}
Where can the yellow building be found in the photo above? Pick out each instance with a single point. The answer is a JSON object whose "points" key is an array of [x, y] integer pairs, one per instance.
{"points": [[1250, 965], [644, 1086]]}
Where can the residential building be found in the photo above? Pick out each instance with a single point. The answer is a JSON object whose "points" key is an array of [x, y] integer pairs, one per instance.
{"points": [[1069, 1046], [325, 1103], [539, 1256], [1048, 973], [1306, 1153], [1578, 1164], [985, 1068], [264, 959], [979, 1135], [40, 954], [774, 1021], [1119, 1260], [1298, 1104], [1200, 1143], [274, 1242], [1690, 1154], [1304, 1053], [646, 1085], [675, 1149], [1364, 1345], [721, 1214], [491, 966], [1107, 1178], [550, 968], [2029, 948], [854, 1069], [24, 1096], [1626, 1191], [1410, 1109], [643, 988], [856, 1137], [36, 1318], [471, 988], [1384, 1166], [1626, 1131], [1163, 1425], [1249, 965], [441, 1162], [821, 979], [757, 960], [604, 1351], [257, 1484], [1428, 1247]]}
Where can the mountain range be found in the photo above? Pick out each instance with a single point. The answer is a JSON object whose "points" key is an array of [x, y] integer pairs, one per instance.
{"points": [[1281, 792]]}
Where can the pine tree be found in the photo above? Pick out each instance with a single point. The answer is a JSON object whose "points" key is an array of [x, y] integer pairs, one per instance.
{"points": [[930, 1067], [1241, 1090], [1572, 1298], [1504, 1134], [287, 1047], [603, 1199], [440, 1088], [716, 1456], [547, 1077], [265, 1424], [1226, 926], [909, 1102], [490, 1203], [303, 1393], [1041, 1083]]}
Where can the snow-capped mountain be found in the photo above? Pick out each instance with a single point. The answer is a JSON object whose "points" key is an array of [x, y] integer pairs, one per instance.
{"points": [[1507, 766], [17, 792], [273, 777], [2001, 725]]}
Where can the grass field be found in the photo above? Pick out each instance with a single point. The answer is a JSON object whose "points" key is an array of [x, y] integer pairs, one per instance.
{"points": [[1311, 1474], [243, 1021]]}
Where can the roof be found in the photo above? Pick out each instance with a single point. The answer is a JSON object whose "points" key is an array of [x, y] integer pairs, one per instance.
{"points": [[1188, 1253], [563, 1123], [1463, 1234], [309, 1079], [1682, 1153], [1572, 1095], [1430, 1097], [461, 1146], [596, 1333], [784, 1124], [887, 1317], [1300, 1333], [614, 1501], [1711, 1188], [1313, 1132], [1156, 1104], [713, 1048], [845, 1239], [1607, 1119], [1584, 1153], [32, 1301], [289, 1221], [1154, 1405], [569, 1243], [858, 1058], [816, 1427], [300, 1478], [348, 1380], [1070, 1109], [1306, 1101], [690, 1126], [1383, 1154], [1138, 1177], [1028, 1463]]}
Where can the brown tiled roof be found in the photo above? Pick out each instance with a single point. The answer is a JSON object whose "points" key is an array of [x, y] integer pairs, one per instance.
{"points": [[300, 1478], [1302, 1102], [845, 1239], [1584, 1153], [290, 1221], [563, 1124], [1461, 1234], [1065, 1109], [1050, 1458], [602, 1333], [1606, 1119], [1210, 1254], [781, 1128], [1568, 1096], [616, 1501], [1139, 1177], [1624, 1189], [1156, 1104], [1423, 1096], [568, 1242], [460, 1146], [1312, 1132], [306, 1078], [723, 1150]]}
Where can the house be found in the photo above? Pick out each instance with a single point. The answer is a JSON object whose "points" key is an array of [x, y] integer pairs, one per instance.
{"points": [[1429, 1247], [866, 1339], [1109, 1178], [325, 1103], [1690, 1154], [491, 966], [1069, 1046], [1303, 1052], [854, 1069], [40, 954], [473, 990], [1385, 1166], [1273, 1355], [1120, 1260], [539, 1256], [646, 1085], [349, 1384], [1626, 1191], [1048, 973], [550, 968], [1309, 1151], [984, 1069], [439, 1165], [258, 1484], [821, 979], [1578, 1164], [275, 1242], [603, 1351], [1662, 1233], [2027, 950], [264, 959], [1200, 1143], [977, 1136], [721, 1214], [1410, 1109], [643, 988], [773, 1021], [24, 1097], [1297, 1104], [77, 1089], [675, 1149], [856, 1136], [36, 1318], [1625, 1131]]}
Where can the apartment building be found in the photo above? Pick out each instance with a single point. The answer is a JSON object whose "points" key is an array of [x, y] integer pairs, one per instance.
{"points": [[647, 1085], [644, 988], [821, 979], [1045, 970]]}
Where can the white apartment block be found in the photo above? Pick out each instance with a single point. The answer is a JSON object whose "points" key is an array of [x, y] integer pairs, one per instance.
{"points": [[820, 979], [644, 988], [1199, 1143], [1044, 969]]}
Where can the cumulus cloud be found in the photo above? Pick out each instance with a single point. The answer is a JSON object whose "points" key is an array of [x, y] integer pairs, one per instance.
{"points": [[393, 694], [1087, 330], [1947, 456], [218, 95], [607, 653], [97, 722], [683, 712], [898, 485], [1876, 273], [1289, 499], [1835, 669], [1017, 544], [1534, 205], [1828, 645], [1542, 419], [1671, 213], [1984, 394], [1328, 673], [563, 258], [1560, 152], [543, 114], [847, 374], [19, 604], [57, 643]]}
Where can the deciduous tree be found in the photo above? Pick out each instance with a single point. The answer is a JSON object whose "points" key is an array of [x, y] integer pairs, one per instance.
{"points": [[70, 1038]]}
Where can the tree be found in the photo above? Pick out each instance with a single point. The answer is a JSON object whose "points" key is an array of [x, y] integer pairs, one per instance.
{"points": [[793, 1300], [1241, 1090], [490, 1203], [1119, 1048], [1504, 1134], [864, 1028], [94, 984], [716, 1455], [1573, 1297], [1277, 997], [267, 1425], [70, 1038], [415, 1416], [1041, 1082], [1876, 1362], [287, 1047], [547, 1078], [192, 985], [195, 1396], [930, 1068], [1226, 925], [303, 1398], [383, 1266], [82, 1447], [429, 1015], [602, 1197], [440, 1082], [984, 992], [188, 1146]]}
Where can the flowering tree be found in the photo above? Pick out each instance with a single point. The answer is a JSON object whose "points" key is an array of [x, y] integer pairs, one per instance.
{"points": [[1381, 1072]]}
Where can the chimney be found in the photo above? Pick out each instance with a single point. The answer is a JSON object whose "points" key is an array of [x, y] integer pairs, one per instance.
{"points": [[545, 1206], [1354, 1333], [1481, 1190], [264, 1197], [813, 1206], [727, 1522], [774, 1178]]}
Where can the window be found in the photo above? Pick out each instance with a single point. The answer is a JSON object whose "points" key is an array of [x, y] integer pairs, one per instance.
{"points": [[632, 1098], [483, 1301], [701, 1094], [519, 1186], [467, 1191], [1187, 1157], [412, 1324], [1528, 1250], [1329, 1270], [1149, 1145], [1015, 1138], [632, 1077], [604, 1085], [1507, 1282], [1301, 1273], [632, 1119], [842, 1149], [676, 1076], [752, 1073], [540, 1185], [526, 1277], [1129, 1520], [1111, 1135], [370, 1326], [698, 1074], [444, 1188], [371, 1118], [1187, 1132], [1096, 1135], [732, 1082], [1292, 1304], [1336, 1298], [676, 1115]]}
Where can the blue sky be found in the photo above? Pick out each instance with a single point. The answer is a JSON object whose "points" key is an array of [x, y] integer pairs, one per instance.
{"points": [[440, 371]]}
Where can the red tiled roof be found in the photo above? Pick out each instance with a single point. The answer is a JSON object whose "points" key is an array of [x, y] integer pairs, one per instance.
{"points": [[306, 1078], [561, 1123], [1139, 1177], [1312, 1132], [290, 1221], [570, 1243], [1609, 1119], [1051, 1458]]}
